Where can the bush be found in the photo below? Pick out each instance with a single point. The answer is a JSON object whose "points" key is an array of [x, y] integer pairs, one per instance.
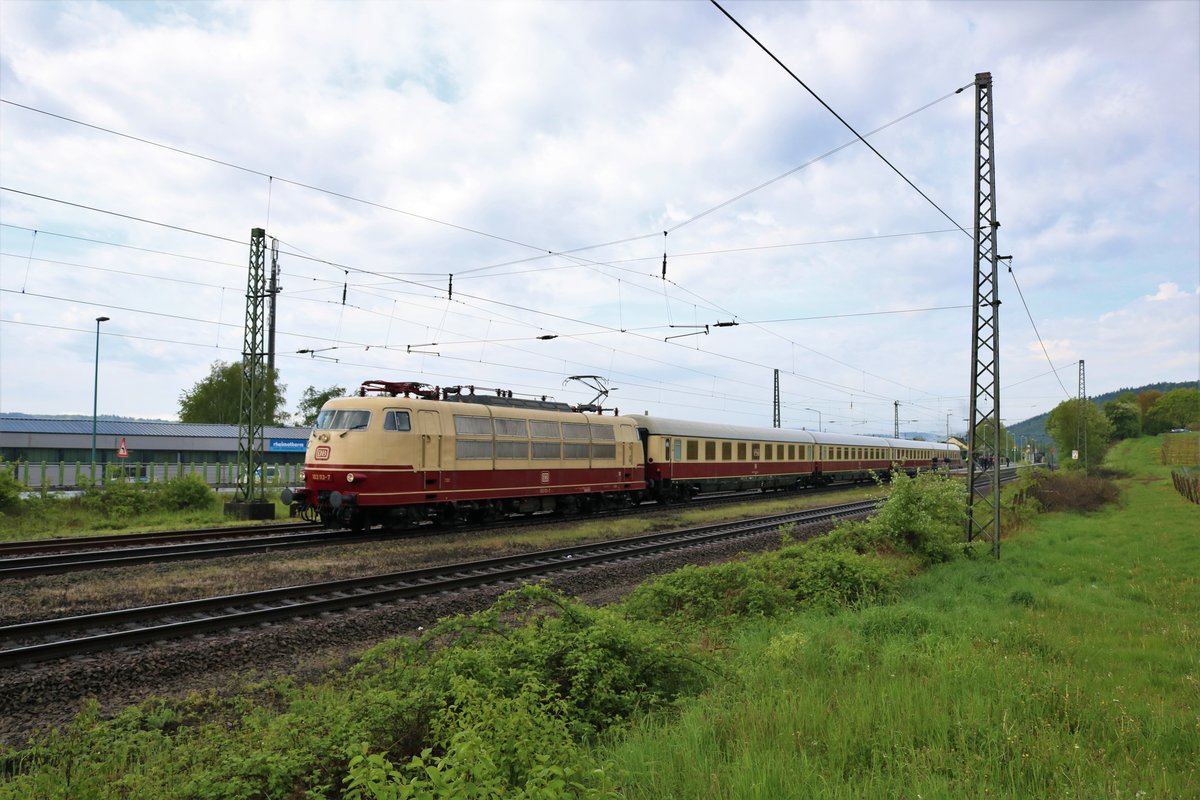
{"points": [[492, 746], [600, 666], [184, 493], [10, 489], [1071, 491], [117, 499], [924, 516]]}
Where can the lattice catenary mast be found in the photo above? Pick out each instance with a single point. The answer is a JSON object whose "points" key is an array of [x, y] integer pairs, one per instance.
{"points": [[983, 515], [249, 501]]}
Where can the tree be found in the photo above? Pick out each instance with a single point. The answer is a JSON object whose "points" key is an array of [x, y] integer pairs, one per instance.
{"points": [[311, 402], [1125, 418], [218, 398], [1178, 408], [1146, 401], [1062, 428]]}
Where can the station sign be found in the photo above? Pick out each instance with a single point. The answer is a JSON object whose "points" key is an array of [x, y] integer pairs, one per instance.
{"points": [[287, 445]]}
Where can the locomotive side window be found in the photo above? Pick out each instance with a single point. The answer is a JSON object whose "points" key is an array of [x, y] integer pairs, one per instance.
{"points": [[473, 449], [576, 430], [397, 421], [473, 426], [603, 433], [604, 450], [514, 428], [547, 450], [343, 419], [517, 450], [541, 429], [575, 450]]}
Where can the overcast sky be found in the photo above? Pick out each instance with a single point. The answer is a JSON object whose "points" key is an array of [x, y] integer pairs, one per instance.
{"points": [[538, 151]]}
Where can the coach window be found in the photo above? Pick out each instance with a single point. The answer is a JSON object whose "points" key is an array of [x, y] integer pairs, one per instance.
{"points": [[727, 451], [679, 450], [710, 451], [693, 450], [396, 421], [768, 452], [741, 451], [755, 449]]}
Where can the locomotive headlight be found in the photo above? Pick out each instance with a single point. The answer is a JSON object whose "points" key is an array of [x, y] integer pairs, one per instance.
{"points": [[301, 474], [349, 477]]}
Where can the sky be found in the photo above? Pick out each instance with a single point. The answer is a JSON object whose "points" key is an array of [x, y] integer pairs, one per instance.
{"points": [[551, 156]]}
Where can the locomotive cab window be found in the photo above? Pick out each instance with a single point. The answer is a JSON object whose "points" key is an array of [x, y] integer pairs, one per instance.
{"points": [[396, 421], [349, 419]]}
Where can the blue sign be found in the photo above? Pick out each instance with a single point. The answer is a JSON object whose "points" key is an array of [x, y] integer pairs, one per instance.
{"points": [[288, 445]]}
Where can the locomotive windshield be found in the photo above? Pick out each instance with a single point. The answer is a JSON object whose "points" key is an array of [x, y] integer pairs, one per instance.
{"points": [[343, 419]]}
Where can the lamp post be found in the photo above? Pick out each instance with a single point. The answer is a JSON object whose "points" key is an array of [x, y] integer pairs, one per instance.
{"points": [[96, 393], [820, 427]]}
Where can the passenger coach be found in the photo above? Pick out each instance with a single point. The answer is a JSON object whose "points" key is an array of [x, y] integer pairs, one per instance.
{"points": [[686, 458]]}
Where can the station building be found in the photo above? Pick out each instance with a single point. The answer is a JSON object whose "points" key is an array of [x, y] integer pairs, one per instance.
{"points": [[57, 453]]}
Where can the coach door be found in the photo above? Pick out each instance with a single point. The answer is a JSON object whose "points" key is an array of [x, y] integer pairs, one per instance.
{"points": [[429, 425]]}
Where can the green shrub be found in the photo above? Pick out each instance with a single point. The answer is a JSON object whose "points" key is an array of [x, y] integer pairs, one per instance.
{"points": [[924, 516], [832, 579], [184, 493], [10, 489], [600, 666], [493, 746], [117, 499]]}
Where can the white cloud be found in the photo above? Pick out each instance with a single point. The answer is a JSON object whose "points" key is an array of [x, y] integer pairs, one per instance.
{"points": [[559, 126]]}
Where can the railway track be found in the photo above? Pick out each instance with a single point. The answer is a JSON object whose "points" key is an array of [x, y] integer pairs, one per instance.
{"points": [[32, 642], [56, 556], [65, 545]]}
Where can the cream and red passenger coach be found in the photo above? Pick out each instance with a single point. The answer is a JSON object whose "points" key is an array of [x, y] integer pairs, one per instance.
{"points": [[686, 458], [401, 453]]}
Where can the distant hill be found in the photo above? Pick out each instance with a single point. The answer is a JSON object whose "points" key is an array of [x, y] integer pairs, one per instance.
{"points": [[109, 417], [1035, 427]]}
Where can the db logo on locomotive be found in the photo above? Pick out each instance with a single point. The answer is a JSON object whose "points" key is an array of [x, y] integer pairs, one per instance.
{"points": [[321, 453]]}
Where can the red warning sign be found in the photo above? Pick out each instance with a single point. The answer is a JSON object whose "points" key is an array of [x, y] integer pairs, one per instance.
{"points": [[123, 451]]}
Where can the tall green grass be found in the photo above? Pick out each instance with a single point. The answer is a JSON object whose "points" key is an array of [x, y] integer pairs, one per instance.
{"points": [[1071, 668]]}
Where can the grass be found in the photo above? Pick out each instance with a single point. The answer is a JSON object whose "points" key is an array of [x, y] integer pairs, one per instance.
{"points": [[1071, 668]]}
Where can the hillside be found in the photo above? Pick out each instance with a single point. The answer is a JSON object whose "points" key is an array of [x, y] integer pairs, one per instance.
{"points": [[1035, 427]]}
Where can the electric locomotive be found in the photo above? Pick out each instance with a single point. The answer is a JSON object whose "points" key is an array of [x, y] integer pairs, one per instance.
{"points": [[402, 453]]}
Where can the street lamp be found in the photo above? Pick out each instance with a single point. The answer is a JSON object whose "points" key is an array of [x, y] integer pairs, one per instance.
{"points": [[820, 427], [96, 393]]}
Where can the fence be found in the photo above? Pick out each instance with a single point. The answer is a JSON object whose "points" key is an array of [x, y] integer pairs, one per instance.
{"points": [[63, 476], [1187, 483]]}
